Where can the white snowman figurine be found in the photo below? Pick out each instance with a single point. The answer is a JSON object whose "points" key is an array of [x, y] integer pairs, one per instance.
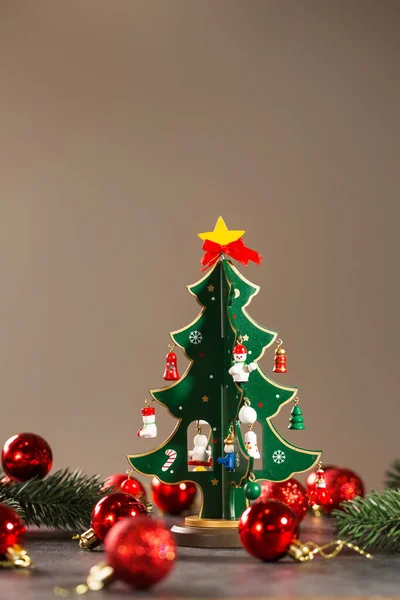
{"points": [[248, 416], [200, 455], [149, 429], [240, 371]]}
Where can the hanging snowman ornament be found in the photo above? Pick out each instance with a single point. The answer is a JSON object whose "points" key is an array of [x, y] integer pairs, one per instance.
{"points": [[240, 370], [149, 429], [201, 453], [248, 416]]}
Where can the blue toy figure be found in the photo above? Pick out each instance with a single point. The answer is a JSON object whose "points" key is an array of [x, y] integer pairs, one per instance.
{"points": [[229, 460]]}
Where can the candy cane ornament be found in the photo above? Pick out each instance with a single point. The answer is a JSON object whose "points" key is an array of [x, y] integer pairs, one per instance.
{"points": [[170, 460]]}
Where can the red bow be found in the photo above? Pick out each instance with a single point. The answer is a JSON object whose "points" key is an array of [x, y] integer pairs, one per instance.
{"points": [[236, 250]]}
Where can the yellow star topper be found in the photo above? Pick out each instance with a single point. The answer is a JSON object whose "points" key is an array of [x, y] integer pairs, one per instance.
{"points": [[221, 234]]}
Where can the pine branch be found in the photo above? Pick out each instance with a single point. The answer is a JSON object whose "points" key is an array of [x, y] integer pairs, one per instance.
{"points": [[393, 476], [5, 499], [62, 501], [372, 522]]}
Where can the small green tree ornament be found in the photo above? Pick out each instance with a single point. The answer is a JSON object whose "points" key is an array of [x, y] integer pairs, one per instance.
{"points": [[296, 420]]}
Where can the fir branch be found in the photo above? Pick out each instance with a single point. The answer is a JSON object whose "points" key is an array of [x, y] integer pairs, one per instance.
{"points": [[5, 499], [393, 476], [62, 501], [372, 522]]}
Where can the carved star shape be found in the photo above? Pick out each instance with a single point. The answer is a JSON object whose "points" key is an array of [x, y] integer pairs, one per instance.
{"points": [[245, 338], [210, 288], [205, 398], [214, 481], [221, 234]]}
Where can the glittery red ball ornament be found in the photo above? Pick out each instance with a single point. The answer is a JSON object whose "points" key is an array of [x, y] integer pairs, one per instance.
{"points": [[133, 487], [141, 552], [12, 528], [267, 528], [26, 456], [342, 484], [290, 492], [173, 499], [113, 508]]}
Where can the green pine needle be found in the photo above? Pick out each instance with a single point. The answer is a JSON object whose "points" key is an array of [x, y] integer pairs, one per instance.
{"points": [[372, 522], [393, 476], [62, 501]]}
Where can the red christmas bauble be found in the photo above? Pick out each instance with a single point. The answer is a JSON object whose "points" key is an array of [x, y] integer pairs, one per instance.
{"points": [[173, 499], [141, 552], [290, 492], [113, 508], [342, 484], [26, 456], [12, 528], [113, 481], [133, 487], [267, 528]]}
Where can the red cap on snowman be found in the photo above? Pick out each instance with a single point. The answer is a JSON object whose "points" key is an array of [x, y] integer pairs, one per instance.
{"points": [[240, 349]]}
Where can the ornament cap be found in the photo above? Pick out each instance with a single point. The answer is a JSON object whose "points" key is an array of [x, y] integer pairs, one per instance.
{"points": [[87, 540], [18, 556], [148, 411]]}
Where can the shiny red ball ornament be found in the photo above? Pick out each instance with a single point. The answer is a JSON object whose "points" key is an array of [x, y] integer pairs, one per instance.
{"points": [[133, 487], [25, 456], [290, 492], [267, 528], [12, 529], [113, 508], [141, 552], [342, 484], [173, 499]]}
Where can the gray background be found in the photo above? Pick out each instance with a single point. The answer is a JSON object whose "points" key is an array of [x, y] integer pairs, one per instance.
{"points": [[129, 126]]}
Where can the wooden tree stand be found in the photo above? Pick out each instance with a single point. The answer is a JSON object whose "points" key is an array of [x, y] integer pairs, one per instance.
{"points": [[207, 533]]}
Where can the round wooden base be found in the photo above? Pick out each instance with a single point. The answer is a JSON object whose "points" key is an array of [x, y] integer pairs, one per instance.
{"points": [[206, 537]]}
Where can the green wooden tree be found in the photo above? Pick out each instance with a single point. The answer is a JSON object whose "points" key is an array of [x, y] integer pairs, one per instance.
{"points": [[207, 392]]}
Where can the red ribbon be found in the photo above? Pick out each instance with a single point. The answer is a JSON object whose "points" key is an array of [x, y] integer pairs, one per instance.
{"points": [[236, 250]]}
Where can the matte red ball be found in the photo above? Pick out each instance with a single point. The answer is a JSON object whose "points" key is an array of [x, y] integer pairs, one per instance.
{"points": [[113, 508], [133, 487], [342, 484], [25, 456], [173, 499], [290, 492], [141, 552], [12, 529], [267, 528]]}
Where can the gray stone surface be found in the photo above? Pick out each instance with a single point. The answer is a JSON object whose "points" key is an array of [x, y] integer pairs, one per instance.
{"points": [[211, 573]]}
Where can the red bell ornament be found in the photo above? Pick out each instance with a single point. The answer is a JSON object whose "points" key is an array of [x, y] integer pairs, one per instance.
{"points": [[320, 496], [171, 366], [280, 359]]}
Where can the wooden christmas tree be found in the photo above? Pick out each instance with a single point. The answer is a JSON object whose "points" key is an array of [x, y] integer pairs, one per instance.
{"points": [[208, 392]]}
